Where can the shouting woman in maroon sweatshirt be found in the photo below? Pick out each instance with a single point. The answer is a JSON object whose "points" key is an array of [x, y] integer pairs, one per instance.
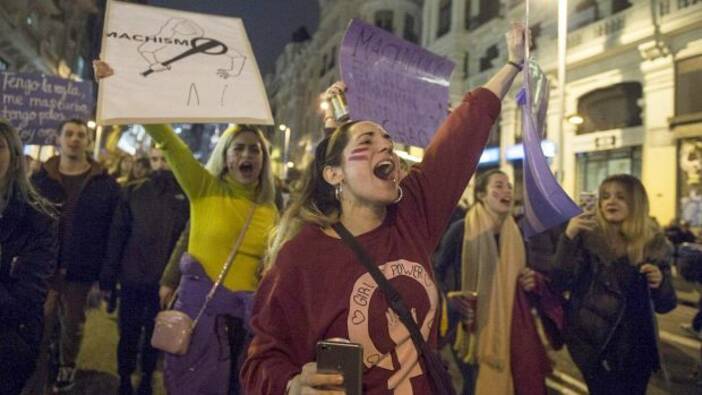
{"points": [[316, 288]]}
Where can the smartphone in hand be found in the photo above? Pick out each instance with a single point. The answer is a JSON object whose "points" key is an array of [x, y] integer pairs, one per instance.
{"points": [[588, 201], [342, 356]]}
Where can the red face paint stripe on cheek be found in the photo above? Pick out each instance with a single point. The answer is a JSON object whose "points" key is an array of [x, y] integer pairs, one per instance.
{"points": [[359, 150], [358, 157]]}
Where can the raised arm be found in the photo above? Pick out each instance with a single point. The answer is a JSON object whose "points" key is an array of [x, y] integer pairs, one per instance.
{"points": [[451, 158]]}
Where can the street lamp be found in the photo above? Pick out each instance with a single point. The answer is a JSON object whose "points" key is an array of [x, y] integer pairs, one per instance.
{"points": [[562, 47], [286, 145]]}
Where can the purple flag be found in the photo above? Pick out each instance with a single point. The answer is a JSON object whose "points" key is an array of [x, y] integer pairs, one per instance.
{"points": [[36, 104], [395, 83], [545, 203]]}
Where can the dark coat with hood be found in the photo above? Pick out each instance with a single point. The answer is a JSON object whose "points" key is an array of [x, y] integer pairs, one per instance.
{"points": [[147, 223], [610, 321], [83, 253], [28, 247]]}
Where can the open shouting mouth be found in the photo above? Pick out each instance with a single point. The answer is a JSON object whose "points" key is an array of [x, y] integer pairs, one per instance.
{"points": [[384, 170]]}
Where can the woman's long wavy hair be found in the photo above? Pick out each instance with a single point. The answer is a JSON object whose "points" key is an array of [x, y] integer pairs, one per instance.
{"points": [[217, 164], [315, 202], [17, 184], [637, 229]]}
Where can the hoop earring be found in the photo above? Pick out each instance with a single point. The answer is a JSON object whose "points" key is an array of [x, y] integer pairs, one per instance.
{"points": [[399, 197], [337, 191]]}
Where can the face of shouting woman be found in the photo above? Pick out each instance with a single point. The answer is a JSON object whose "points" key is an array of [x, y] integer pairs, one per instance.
{"points": [[498, 194], [244, 158], [370, 170]]}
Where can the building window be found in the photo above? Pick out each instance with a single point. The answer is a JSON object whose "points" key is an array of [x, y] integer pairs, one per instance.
{"points": [[323, 70], [383, 19], [332, 59], [688, 79], [489, 9], [466, 65], [444, 17], [620, 5], [594, 167], [535, 34], [495, 133], [586, 12], [409, 33], [614, 107], [486, 61], [468, 15]]}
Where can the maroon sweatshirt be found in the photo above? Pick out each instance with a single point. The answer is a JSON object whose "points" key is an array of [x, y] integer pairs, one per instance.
{"points": [[318, 289]]}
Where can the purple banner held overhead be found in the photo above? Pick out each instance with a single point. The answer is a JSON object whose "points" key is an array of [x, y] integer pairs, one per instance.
{"points": [[36, 104], [395, 83], [546, 204]]}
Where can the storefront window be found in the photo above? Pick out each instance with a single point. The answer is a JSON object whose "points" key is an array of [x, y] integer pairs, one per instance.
{"points": [[690, 181], [594, 167]]}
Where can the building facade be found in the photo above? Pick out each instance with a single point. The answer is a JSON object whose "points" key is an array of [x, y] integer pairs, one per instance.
{"points": [[631, 99], [55, 37], [307, 67], [630, 102]]}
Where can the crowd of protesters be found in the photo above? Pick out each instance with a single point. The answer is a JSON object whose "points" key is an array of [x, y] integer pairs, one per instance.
{"points": [[265, 283]]}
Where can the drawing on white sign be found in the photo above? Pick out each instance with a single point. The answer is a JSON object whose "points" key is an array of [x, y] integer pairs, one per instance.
{"points": [[202, 65], [160, 56]]}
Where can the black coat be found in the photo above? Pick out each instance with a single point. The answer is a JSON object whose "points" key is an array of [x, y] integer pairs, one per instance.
{"points": [[146, 225], [87, 244], [610, 310], [28, 247]]}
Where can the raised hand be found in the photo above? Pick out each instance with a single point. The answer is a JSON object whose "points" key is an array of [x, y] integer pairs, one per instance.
{"points": [[583, 222], [101, 69], [515, 43]]}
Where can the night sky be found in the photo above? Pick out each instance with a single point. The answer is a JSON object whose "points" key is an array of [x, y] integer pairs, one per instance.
{"points": [[269, 23]]}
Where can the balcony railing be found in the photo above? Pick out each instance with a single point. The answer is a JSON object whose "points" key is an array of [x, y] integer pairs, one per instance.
{"points": [[668, 7], [610, 28]]}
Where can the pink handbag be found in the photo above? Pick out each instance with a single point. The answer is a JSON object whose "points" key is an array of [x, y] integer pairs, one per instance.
{"points": [[173, 328]]}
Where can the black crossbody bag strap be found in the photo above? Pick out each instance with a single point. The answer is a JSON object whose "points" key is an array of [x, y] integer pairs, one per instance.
{"points": [[398, 306]]}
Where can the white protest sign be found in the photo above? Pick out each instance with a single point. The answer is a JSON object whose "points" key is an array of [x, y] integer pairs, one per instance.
{"points": [[177, 66]]}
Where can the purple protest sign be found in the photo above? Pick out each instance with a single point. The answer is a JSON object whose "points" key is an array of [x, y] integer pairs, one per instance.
{"points": [[395, 83], [36, 104], [545, 203]]}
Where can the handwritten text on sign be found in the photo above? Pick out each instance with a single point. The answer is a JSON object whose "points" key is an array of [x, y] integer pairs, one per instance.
{"points": [[394, 83], [36, 104]]}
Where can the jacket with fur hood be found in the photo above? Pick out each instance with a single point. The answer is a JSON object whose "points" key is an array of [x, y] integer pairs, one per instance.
{"points": [[610, 320], [87, 244]]}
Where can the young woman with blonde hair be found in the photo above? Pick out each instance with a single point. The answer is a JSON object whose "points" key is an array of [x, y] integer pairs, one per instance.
{"points": [[615, 263], [237, 182]]}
